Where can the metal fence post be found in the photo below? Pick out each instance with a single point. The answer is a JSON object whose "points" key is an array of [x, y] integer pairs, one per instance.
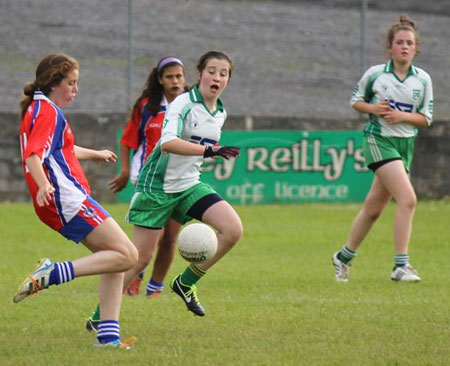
{"points": [[130, 54]]}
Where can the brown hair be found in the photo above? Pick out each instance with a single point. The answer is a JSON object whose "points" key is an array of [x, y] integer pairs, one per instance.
{"points": [[153, 90], [404, 23], [220, 55], [51, 70]]}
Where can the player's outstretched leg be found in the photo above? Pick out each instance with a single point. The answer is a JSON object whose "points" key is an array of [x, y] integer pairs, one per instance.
{"points": [[45, 274], [222, 217]]}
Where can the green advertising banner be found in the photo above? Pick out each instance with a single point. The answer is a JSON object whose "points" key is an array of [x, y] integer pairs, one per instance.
{"points": [[288, 167]]}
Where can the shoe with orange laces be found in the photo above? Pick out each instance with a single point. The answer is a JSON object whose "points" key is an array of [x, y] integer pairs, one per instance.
{"points": [[128, 344], [154, 294], [133, 288], [36, 281]]}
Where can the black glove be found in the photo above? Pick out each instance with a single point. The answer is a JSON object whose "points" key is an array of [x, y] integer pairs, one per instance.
{"points": [[224, 151]]}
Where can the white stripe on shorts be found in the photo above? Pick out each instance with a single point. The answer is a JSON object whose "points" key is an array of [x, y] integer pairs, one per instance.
{"points": [[374, 150]]}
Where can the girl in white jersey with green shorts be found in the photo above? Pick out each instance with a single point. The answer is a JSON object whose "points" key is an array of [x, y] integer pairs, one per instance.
{"points": [[398, 98], [169, 184]]}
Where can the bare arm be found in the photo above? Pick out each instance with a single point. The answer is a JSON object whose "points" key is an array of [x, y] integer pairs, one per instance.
{"points": [[392, 116], [45, 192], [376, 109], [121, 180], [395, 116], [83, 153], [181, 147]]}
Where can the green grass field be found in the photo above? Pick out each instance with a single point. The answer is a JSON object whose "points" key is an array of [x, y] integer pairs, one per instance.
{"points": [[271, 301]]}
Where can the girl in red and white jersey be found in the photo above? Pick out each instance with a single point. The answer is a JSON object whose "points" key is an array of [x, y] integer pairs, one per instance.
{"points": [[46, 134], [61, 195]]}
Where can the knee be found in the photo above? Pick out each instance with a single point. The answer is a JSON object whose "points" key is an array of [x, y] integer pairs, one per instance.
{"points": [[234, 233], [130, 256], [143, 260], [125, 260], [373, 213], [140, 266], [372, 209], [409, 203]]}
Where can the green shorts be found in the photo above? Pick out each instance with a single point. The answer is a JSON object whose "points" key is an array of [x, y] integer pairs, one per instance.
{"points": [[153, 210], [377, 149]]}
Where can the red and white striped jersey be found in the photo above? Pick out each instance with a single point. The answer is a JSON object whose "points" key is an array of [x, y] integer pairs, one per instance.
{"points": [[46, 133]]}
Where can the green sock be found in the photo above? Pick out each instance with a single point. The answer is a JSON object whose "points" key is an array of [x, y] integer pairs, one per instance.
{"points": [[346, 254], [401, 260], [192, 274], [96, 314]]}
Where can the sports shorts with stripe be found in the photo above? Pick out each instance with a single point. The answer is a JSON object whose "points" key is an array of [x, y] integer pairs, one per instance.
{"points": [[91, 215], [378, 150], [153, 210]]}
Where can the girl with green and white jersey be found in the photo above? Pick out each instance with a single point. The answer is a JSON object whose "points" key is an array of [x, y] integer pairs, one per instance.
{"points": [[399, 99], [190, 120], [169, 184], [413, 94]]}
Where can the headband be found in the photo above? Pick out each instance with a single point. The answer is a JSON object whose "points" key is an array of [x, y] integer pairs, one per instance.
{"points": [[166, 61]]}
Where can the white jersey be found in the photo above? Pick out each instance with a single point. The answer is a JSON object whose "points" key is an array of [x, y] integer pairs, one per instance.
{"points": [[414, 94], [188, 118]]}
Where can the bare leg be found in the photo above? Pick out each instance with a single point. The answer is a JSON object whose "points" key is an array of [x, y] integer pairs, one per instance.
{"points": [[110, 295], [166, 250], [396, 180], [376, 200], [113, 254], [229, 228], [112, 251], [391, 181], [145, 241]]}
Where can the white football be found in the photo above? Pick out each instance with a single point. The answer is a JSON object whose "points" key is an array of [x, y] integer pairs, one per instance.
{"points": [[197, 243]]}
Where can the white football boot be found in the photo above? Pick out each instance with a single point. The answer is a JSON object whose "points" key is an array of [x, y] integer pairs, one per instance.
{"points": [[36, 281]]}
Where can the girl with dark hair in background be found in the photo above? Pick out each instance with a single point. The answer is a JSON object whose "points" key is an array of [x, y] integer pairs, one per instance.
{"points": [[165, 82]]}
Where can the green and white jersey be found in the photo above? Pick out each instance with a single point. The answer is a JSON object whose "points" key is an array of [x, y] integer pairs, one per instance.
{"points": [[187, 118], [414, 94]]}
